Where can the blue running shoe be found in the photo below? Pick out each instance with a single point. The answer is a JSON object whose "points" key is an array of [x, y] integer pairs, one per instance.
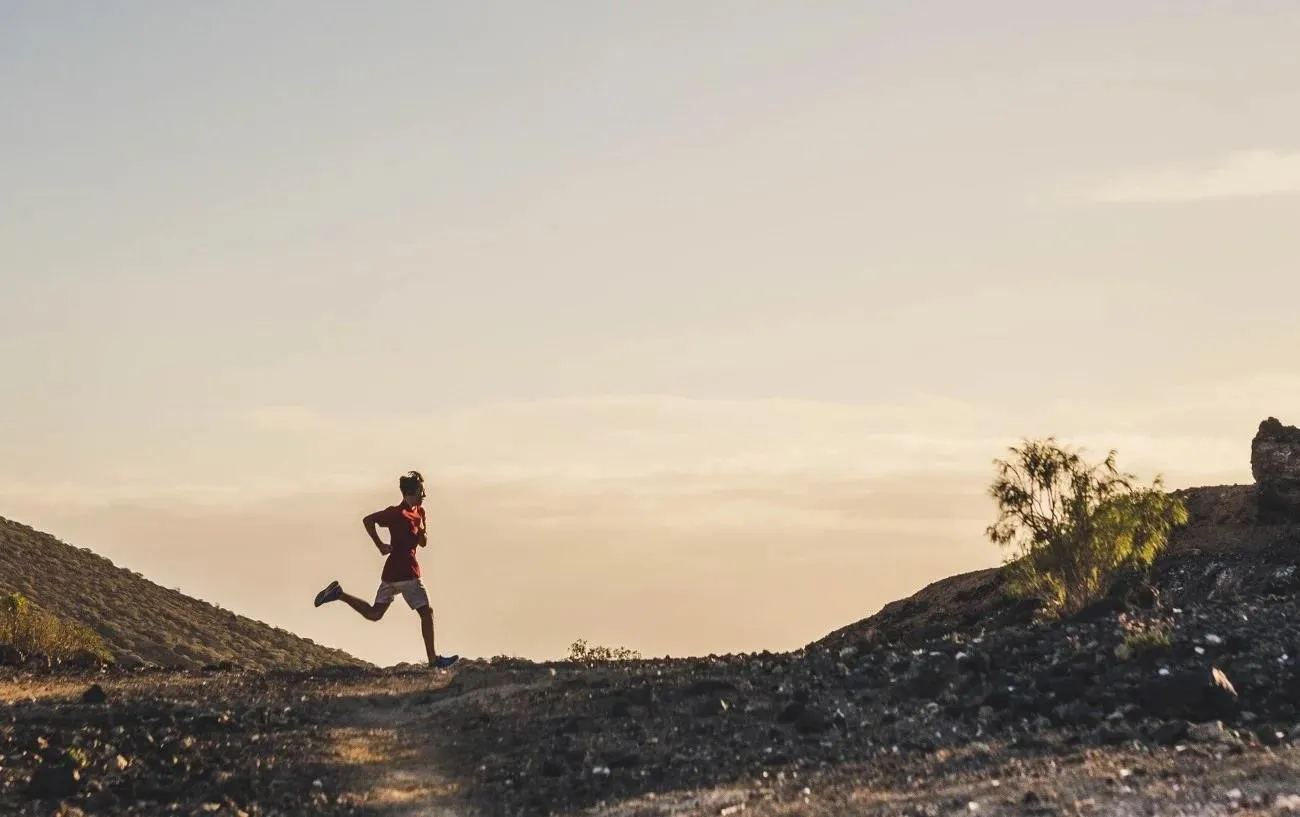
{"points": [[330, 593], [445, 661]]}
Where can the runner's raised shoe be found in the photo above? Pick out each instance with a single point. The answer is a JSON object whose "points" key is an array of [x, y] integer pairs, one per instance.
{"points": [[330, 593]]}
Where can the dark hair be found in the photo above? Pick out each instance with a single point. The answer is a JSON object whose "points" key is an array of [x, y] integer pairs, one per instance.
{"points": [[411, 484]]}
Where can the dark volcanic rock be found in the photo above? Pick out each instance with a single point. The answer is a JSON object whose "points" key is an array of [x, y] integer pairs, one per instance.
{"points": [[1275, 465], [1198, 695], [95, 694], [1170, 732], [56, 781]]}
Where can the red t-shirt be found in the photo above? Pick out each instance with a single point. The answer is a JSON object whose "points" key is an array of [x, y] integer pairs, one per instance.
{"points": [[406, 530]]}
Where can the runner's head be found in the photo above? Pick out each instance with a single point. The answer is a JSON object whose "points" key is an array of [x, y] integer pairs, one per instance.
{"points": [[412, 486]]}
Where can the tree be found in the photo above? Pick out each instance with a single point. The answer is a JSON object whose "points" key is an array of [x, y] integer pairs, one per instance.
{"points": [[1074, 526]]}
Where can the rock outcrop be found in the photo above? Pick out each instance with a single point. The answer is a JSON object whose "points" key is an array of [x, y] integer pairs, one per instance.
{"points": [[1275, 465]]}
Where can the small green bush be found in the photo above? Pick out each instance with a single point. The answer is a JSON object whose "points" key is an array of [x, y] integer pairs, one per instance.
{"points": [[34, 632], [580, 650], [1075, 526]]}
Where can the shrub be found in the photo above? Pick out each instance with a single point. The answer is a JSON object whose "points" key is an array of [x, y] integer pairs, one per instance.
{"points": [[580, 650], [1142, 635], [33, 632], [1075, 526]]}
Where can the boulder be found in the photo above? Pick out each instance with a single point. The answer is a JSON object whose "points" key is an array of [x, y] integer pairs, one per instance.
{"points": [[1196, 695], [1275, 465]]}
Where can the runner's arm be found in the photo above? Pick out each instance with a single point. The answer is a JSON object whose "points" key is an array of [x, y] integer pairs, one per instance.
{"points": [[369, 522]]}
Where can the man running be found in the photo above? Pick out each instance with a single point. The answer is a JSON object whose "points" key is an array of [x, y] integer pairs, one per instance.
{"points": [[405, 522]]}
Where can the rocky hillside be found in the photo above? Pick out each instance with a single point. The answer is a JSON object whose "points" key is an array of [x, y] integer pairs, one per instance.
{"points": [[140, 621], [1253, 526]]}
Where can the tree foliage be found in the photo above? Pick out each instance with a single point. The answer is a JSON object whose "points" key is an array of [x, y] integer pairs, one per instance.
{"points": [[1073, 526]]}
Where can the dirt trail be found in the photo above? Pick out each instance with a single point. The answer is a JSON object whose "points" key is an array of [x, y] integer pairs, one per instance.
{"points": [[393, 775], [395, 750], [390, 740]]}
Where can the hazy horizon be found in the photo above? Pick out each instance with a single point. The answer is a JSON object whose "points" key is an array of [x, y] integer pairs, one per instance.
{"points": [[704, 320]]}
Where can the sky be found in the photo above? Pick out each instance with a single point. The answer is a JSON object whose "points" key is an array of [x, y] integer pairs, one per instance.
{"points": [[705, 320]]}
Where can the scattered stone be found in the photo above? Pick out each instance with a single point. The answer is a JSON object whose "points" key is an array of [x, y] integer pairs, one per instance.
{"points": [[54, 781], [95, 694], [1213, 732]]}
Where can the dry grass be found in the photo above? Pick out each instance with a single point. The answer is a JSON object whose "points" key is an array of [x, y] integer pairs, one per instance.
{"points": [[137, 620], [580, 650], [65, 689], [33, 632]]}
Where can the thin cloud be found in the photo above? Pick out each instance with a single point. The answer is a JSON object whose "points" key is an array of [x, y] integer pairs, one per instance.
{"points": [[649, 441], [1244, 174], [629, 436]]}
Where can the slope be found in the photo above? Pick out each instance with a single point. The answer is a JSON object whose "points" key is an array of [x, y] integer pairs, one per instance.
{"points": [[140, 621], [1224, 527]]}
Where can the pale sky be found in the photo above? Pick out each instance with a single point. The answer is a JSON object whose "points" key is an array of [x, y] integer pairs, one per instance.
{"points": [[705, 319]]}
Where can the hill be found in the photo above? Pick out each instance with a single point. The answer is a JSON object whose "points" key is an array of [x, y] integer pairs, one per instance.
{"points": [[142, 622], [1254, 525]]}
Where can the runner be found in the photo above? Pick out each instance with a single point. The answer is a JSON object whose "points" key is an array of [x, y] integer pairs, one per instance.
{"points": [[405, 522]]}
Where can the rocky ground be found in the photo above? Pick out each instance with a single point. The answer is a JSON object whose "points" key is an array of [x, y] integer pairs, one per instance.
{"points": [[1178, 694], [997, 721], [1085, 717]]}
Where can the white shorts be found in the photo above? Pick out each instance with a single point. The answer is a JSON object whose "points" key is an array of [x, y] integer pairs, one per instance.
{"points": [[412, 590]]}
